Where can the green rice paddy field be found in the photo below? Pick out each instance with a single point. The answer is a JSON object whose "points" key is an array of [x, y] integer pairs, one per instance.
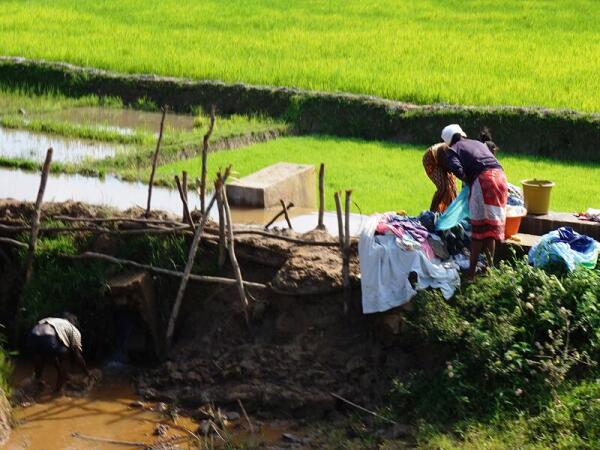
{"points": [[483, 52], [387, 176]]}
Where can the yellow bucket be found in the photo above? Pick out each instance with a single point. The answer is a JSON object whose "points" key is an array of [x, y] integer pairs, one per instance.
{"points": [[537, 195]]}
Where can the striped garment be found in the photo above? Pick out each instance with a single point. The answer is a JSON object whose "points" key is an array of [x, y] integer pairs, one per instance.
{"points": [[487, 205]]}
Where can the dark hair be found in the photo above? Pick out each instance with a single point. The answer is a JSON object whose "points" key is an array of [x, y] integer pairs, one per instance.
{"points": [[455, 138], [71, 318], [485, 136]]}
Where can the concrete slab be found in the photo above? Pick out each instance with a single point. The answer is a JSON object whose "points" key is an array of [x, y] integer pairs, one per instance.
{"points": [[521, 243], [541, 225], [263, 189]]}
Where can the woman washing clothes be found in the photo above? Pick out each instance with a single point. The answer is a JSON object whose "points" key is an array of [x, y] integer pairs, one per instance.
{"points": [[474, 163]]}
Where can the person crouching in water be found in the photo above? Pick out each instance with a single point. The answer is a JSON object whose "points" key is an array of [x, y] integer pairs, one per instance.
{"points": [[472, 162], [55, 339]]}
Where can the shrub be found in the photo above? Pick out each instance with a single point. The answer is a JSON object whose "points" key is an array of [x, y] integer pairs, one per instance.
{"points": [[512, 336]]}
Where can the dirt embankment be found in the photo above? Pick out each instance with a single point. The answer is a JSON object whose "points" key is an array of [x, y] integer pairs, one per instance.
{"points": [[299, 347], [5, 418]]}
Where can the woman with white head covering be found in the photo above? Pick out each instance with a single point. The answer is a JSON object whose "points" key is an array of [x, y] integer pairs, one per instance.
{"points": [[472, 162]]}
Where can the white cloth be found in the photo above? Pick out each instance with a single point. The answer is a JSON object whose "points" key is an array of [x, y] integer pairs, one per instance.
{"points": [[385, 268], [65, 330], [449, 131]]}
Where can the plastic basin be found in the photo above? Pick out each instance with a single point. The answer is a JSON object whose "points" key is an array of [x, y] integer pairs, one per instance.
{"points": [[537, 195]]}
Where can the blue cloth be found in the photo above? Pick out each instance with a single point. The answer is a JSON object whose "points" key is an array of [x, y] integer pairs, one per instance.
{"points": [[565, 248], [456, 212], [515, 196]]}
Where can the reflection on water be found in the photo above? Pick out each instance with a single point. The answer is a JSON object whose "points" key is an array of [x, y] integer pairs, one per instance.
{"points": [[33, 146], [124, 121], [111, 191]]}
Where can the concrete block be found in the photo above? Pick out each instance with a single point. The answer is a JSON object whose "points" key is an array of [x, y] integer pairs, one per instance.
{"points": [[263, 189], [541, 225]]}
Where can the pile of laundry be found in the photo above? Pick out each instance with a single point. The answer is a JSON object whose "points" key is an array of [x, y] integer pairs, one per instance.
{"points": [[393, 248], [591, 215], [565, 249]]}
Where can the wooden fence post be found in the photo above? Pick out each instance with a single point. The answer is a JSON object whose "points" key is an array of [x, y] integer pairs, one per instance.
{"points": [[184, 181], [346, 259], [222, 237], [204, 160], [155, 159], [286, 215], [35, 226], [320, 224], [186, 211]]}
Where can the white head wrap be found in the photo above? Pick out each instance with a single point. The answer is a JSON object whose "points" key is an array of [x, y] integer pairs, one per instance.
{"points": [[450, 131]]}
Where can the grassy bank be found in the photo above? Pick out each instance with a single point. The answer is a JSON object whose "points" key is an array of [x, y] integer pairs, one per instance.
{"points": [[489, 52], [387, 176]]}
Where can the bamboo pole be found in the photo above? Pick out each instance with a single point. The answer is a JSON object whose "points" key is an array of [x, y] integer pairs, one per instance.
{"points": [[222, 237], [338, 210], [35, 226], [5, 240], [184, 182], [320, 224], [346, 259], [232, 257], [278, 215], [155, 159], [161, 271], [285, 214], [204, 159], [188, 267], [186, 212]]}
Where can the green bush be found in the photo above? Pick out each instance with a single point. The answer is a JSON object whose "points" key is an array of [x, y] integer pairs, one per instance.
{"points": [[510, 338]]}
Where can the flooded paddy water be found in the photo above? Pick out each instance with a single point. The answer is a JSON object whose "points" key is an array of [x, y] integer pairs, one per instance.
{"points": [[21, 144], [111, 191]]}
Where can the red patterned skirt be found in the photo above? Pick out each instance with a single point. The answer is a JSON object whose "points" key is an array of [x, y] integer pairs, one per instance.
{"points": [[487, 205]]}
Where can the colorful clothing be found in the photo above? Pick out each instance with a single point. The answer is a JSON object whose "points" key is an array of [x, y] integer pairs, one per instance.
{"points": [[444, 180], [468, 158], [487, 205]]}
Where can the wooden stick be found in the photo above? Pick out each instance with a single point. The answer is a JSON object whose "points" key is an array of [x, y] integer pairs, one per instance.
{"points": [[35, 226], [222, 237], [161, 271], [285, 213], [278, 215], [204, 159], [338, 210], [184, 181], [373, 413], [346, 258], [287, 238], [232, 257], [10, 241], [116, 219], [320, 224], [155, 159], [246, 416], [188, 267], [110, 441], [186, 211]]}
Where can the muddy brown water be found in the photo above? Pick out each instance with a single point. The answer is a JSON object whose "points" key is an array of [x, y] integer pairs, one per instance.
{"points": [[111, 191], [124, 121], [107, 412], [32, 146]]}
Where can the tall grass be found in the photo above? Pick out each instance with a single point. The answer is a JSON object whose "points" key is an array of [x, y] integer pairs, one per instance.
{"points": [[388, 176], [520, 52]]}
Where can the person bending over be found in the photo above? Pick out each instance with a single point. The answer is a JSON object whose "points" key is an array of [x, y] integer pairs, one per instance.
{"points": [[436, 168], [55, 339], [472, 162]]}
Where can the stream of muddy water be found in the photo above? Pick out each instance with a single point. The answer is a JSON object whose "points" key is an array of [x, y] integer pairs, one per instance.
{"points": [[112, 411]]}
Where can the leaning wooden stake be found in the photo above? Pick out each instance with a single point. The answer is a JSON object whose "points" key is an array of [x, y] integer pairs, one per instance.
{"points": [[204, 158], [155, 159], [346, 259], [338, 210], [184, 183], [35, 226], [286, 215], [188, 267], [186, 211], [320, 224], [278, 215], [232, 257], [222, 237]]}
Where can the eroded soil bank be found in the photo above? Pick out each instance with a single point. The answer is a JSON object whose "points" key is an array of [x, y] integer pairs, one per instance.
{"points": [[297, 355]]}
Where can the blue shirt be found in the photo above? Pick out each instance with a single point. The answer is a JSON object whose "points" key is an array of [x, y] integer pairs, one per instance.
{"points": [[468, 158]]}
